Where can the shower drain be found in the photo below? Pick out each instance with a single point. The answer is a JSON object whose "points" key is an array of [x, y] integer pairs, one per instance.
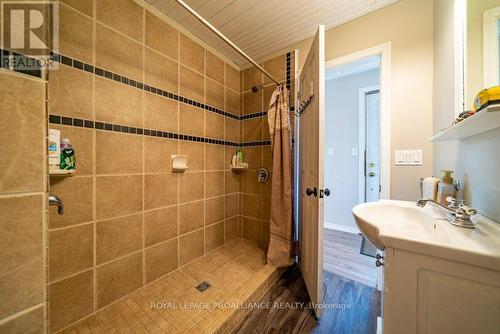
{"points": [[202, 286]]}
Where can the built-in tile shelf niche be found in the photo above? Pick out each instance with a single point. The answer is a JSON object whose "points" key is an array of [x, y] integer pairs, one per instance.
{"points": [[485, 120], [61, 172]]}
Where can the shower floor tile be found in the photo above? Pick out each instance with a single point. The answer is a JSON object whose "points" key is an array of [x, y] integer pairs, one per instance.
{"points": [[237, 274]]}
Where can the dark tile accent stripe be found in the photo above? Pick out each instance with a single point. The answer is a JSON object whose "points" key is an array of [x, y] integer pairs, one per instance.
{"points": [[19, 63], [63, 120], [139, 85], [256, 143], [255, 115], [288, 69]]}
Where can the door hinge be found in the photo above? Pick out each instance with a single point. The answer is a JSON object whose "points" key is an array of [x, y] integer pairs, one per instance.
{"points": [[379, 188]]}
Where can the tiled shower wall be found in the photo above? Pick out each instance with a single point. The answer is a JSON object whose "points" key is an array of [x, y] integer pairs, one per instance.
{"points": [[23, 212], [130, 92]]}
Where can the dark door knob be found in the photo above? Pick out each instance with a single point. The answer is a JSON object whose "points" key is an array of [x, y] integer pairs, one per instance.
{"points": [[327, 192], [312, 191]]}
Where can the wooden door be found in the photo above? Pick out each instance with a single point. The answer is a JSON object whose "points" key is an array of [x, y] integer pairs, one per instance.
{"points": [[311, 138]]}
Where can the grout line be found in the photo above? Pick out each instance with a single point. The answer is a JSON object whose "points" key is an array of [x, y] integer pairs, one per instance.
{"points": [[143, 218], [94, 156]]}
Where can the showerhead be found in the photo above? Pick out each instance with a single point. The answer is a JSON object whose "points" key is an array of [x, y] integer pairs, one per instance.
{"points": [[255, 89]]}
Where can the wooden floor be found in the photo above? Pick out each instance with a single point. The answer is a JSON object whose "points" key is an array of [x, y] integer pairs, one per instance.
{"points": [[359, 315], [341, 256]]}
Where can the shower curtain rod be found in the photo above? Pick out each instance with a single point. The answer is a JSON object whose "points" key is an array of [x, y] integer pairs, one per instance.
{"points": [[225, 39]]}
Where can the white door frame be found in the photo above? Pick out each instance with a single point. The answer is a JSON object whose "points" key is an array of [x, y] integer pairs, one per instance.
{"points": [[384, 51], [362, 139]]}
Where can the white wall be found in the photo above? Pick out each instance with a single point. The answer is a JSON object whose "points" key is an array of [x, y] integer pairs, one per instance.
{"points": [[475, 160], [341, 135]]}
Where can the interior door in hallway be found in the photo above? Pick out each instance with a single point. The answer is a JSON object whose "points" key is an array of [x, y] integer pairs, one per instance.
{"points": [[311, 138], [371, 110]]}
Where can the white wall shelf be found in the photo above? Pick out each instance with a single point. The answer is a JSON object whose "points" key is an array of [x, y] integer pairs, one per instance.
{"points": [[61, 172], [485, 120]]}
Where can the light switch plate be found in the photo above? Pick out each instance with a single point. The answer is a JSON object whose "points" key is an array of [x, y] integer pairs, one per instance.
{"points": [[408, 157]]}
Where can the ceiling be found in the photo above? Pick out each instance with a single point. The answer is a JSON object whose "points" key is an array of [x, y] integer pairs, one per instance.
{"points": [[261, 27]]}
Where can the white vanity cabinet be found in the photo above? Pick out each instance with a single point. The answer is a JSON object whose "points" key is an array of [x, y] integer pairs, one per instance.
{"points": [[426, 294]]}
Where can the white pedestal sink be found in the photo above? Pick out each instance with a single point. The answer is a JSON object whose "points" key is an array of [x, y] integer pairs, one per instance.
{"points": [[401, 224]]}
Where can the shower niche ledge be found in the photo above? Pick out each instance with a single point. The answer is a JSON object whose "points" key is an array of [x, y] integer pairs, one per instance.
{"points": [[61, 172]]}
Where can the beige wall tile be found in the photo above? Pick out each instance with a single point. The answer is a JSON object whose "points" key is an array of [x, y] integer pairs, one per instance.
{"points": [[195, 155], [233, 102], [252, 206], [70, 300], [215, 67], [160, 225], [76, 193], [22, 162], [70, 93], [267, 158], [117, 103], [118, 153], [252, 229], [84, 6], [232, 228], [22, 275], [214, 210], [214, 184], [214, 236], [192, 120], [252, 102], [276, 67], [117, 53], [191, 216], [192, 54], [232, 205], [214, 94], [157, 154], [252, 129], [251, 77], [232, 78], [122, 15], [161, 36], [233, 181], [191, 84], [250, 184], [118, 195], [214, 125], [161, 259], [161, 72], [215, 157], [253, 156], [26, 323], [232, 129], [75, 35], [118, 237], [71, 250], [118, 278], [160, 113], [191, 186], [82, 140], [191, 246], [161, 190]]}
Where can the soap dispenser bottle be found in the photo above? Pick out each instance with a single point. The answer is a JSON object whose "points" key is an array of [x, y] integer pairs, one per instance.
{"points": [[446, 187]]}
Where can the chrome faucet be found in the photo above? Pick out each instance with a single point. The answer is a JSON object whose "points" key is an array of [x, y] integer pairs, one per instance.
{"points": [[458, 213], [54, 200]]}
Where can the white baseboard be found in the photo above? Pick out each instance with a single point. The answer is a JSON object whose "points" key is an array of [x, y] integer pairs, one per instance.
{"points": [[343, 228]]}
